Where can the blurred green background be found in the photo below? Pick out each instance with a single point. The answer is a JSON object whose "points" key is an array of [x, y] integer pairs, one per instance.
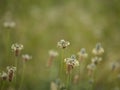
{"points": [[40, 24]]}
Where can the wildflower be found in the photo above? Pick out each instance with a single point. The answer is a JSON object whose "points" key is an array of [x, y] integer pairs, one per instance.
{"points": [[96, 60], [11, 71], [53, 86], [17, 48], [91, 67], [71, 63], [114, 66], [76, 79], [52, 55], [26, 57], [62, 86], [98, 50], [82, 54], [9, 24], [63, 44], [91, 81], [4, 75]]}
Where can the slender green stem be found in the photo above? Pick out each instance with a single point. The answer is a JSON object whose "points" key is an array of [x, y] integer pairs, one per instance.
{"points": [[62, 65], [68, 81], [2, 87], [16, 78], [22, 77]]}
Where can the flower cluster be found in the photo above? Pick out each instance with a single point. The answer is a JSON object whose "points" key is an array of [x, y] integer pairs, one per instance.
{"points": [[17, 48], [96, 60], [82, 54], [11, 71], [9, 24], [9, 75], [4, 75], [63, 44], [98, 50], [26, 57], [52, 55], [91, 67], [71, 63]]}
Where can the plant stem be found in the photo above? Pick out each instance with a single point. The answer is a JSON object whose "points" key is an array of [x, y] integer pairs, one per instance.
{"points": [[68, 81], [22, 77], [2, 85], [16, 65], [62, 65]]}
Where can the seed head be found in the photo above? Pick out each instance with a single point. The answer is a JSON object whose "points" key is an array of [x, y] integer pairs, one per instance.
{"points": [[26, 57], [96, 60], [17, 48], [91, 66], [11, 72], [63, 44], [98, 50], [9, 24], [82, 54], [4, 75], [53, 53], [71, 63]]}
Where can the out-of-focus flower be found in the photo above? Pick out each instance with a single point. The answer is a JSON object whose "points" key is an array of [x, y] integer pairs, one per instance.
{"points": [[76, 79], [91, 81], [11, 68], [91, 67], [63, 44], [98, 50], [26, 57], [82, 54], [114, 65], [96, 60], [53, 86], [52, 55], [4, 75], [9, 24], [71, 63], [11, 72], [62, 86], [17, 48]]}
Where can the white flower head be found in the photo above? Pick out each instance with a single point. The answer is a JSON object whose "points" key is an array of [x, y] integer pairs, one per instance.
{"points": [[26, 57], [63, 44], [9, 24], [96, 60], [17, 48], [91, 66], [4, 75], [82, 53], [53, 86], [72, 61], [53, 53], [98, 50], [11, 68], [11, 71]]}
